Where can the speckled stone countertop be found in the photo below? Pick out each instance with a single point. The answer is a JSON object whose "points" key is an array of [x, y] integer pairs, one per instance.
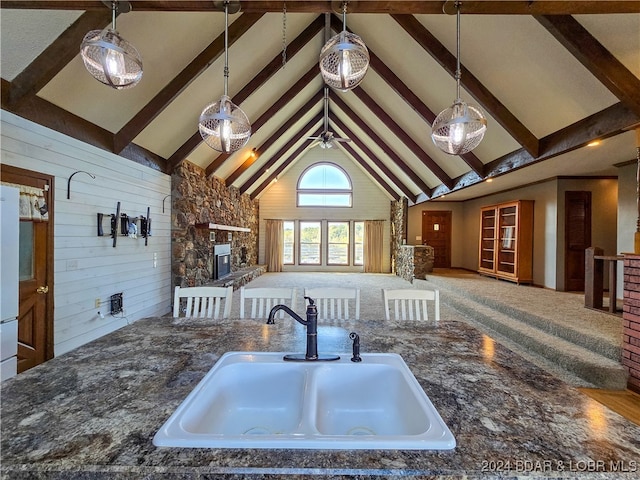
{"points": [[92, 413]]}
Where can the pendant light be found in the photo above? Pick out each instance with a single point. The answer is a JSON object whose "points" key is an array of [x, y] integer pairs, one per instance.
{"points": [[461, 127], [108, 57], [344, 59], [223, 125]]}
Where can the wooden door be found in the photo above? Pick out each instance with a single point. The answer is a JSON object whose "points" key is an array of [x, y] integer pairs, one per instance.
{"points": [[436, 232], [35, 310], [577, 238]]}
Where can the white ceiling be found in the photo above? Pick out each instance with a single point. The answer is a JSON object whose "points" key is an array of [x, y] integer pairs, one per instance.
{"points": [[514, 56]]}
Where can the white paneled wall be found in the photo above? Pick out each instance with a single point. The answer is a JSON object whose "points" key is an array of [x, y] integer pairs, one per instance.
{"points": [[370, 202], [87, 267]]}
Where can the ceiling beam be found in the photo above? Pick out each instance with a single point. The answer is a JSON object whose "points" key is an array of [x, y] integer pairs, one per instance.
{"points": [[179, 83], [409, 142], [595, 57], [265, 74], [373, 158], [609, 122], [56, 56], [489, 102], [409, 97], [278, 155], [269, 114], [377, 178], [380, 143], [480, 7], [274, 137], [47, 114]]}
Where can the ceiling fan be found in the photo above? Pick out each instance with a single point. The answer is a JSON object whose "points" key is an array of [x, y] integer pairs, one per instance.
{"points": [[326, 139]]}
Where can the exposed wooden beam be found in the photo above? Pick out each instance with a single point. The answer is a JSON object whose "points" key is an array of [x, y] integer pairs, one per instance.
{"points": [[41, 111], [489, 102], [410, 172], [269, 114], [287, 161], [275, 136], [179, 83], [372, 157], [56, 56], [609, 122], [267, 72], [280, 153], [409, 97], [410, 143], [593, 55], [377, 178], [481, 7]]}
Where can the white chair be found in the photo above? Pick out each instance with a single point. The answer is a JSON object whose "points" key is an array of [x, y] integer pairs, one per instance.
{"points": [[203, 302], [335, 303], [264, 299], [410, 304]]}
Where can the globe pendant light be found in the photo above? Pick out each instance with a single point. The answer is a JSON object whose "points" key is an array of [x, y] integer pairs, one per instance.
{"points": [[223, 125], [461, 127], [344, 59], [108, 57]]}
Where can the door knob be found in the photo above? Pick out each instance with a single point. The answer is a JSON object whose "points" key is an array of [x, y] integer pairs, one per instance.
{"points": [[44, 289]]}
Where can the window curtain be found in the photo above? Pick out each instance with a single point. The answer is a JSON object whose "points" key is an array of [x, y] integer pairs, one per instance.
{"points": [[274, 245], [373, 245], [33, 205]]}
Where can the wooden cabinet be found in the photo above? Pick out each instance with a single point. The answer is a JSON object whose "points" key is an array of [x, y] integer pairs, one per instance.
{"points": [[506, 241]]}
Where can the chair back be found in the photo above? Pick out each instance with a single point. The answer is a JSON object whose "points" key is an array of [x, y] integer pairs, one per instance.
{"points": [[262, 300], [410, 304], [335, 303], [203, 302]]}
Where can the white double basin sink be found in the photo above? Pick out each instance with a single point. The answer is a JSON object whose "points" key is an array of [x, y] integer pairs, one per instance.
{"points": [[257, 400]]}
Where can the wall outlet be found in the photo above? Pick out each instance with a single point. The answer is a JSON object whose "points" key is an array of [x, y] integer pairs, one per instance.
{"points": [[98, 303]]}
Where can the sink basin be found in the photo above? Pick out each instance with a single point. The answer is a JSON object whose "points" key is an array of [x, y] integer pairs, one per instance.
{"points": [[257, 400]]}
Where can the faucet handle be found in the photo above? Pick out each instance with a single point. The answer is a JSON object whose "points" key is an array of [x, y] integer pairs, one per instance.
{"points": [[356, 347], [311, 300]]}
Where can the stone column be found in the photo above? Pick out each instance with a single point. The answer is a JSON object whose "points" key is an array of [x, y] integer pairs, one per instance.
{"points": [[631, 321]]}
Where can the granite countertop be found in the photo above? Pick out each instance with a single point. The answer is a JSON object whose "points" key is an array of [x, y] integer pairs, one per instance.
{"points": [[92, 413]]}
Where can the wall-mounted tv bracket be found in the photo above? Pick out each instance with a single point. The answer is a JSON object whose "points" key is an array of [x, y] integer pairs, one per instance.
{"points": [[114, 224], [128, 226]]}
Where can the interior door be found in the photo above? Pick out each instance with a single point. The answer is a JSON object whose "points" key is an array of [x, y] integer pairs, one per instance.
{"points": [[577, 238], [35, 310], [436, 232]]}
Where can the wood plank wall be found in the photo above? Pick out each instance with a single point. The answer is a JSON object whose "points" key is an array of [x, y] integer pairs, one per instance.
{"points": [[87, 267]]}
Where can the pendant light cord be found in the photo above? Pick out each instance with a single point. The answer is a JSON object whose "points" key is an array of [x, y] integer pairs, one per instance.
{"points": [[226, 46], [114, 9], [344, 15], [458, 70]]}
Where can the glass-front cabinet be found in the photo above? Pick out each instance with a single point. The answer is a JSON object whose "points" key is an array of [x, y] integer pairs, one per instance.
{"points": [[506, 241]]}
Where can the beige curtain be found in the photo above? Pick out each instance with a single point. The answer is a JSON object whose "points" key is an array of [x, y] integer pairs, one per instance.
{"points": [[373, 245], [274, 245]]}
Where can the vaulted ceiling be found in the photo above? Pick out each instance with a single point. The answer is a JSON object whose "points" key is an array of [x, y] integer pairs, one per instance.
{"points": [[551, 76]]}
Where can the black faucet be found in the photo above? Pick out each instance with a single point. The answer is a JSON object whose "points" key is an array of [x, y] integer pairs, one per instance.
{"points": [[312, 333]]}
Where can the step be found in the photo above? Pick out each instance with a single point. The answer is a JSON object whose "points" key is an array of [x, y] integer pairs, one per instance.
{"points": [[576, 360], [581, 338]]}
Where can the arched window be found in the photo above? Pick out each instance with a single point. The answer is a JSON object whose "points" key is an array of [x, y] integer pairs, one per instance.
{"points": [[324, 185]]}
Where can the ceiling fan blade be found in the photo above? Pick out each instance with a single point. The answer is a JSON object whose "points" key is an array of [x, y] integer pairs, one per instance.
{"points": [[341, 139], [316, 142]]}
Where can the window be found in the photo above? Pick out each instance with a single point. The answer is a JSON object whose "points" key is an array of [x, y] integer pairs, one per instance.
{"points": [[358, 243], [337, 243], [324, 185], [310, 241], [289, 243]]}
